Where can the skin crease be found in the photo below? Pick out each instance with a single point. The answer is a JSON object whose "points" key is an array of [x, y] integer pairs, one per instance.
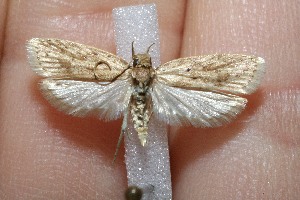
{"points": [[45, 154]]}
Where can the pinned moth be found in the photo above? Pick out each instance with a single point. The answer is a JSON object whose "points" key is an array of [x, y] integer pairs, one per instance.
{"points": [[200, 91]]}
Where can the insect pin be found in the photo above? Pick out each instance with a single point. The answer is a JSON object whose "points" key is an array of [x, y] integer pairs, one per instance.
{"points": [[133, 193], [199, 91]]}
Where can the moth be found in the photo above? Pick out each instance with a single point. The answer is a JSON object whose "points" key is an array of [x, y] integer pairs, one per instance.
{"points": [[200, 91]]}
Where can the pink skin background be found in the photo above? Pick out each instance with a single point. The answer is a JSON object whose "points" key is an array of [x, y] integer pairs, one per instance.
{"points": [[45, 154]]}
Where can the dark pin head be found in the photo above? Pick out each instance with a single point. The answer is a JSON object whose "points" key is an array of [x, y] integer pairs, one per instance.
{"points": [[133, 193]]}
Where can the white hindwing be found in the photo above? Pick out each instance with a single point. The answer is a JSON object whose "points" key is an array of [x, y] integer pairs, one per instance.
{"points": [[80, 98], [178, 106]]}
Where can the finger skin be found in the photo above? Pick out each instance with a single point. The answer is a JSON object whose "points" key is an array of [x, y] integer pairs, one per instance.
{"points": [[3, 13], [256, 156], [46, 154]]}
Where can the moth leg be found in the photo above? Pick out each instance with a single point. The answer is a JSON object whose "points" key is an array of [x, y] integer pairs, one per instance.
{"points": [[149, 105], [128, 136], [123, 130], [129, 108], [115, 78], [151, 112]]}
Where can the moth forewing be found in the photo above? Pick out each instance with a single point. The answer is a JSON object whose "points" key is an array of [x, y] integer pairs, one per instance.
{"points": [[233, 73], [64, 59]]}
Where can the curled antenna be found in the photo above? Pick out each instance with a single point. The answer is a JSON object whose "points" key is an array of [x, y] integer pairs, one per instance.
{"points": [[150, 47]]}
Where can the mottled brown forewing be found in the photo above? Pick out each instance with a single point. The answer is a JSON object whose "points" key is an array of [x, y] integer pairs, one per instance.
{"points": [[233, 73], [62, 59]]}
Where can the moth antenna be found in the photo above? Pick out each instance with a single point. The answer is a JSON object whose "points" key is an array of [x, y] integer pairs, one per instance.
{"points": [[150, 47], [132, 50]]}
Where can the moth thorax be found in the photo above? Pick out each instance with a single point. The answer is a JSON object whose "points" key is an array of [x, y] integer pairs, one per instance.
{"points": [[142, 74], [142, 60], [142, 67]]}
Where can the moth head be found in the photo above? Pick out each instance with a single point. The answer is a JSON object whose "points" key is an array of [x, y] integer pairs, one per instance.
{"points": [[141, 60]]}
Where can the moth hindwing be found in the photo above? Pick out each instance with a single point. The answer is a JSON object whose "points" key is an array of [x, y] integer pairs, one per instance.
{"points": [[200, 91]]}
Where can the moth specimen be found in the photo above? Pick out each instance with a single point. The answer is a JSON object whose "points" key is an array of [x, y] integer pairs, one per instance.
{"points": [[199, 91]]}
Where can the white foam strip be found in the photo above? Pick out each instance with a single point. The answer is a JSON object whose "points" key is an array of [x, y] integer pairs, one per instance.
{"points": [[147, 167]]}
